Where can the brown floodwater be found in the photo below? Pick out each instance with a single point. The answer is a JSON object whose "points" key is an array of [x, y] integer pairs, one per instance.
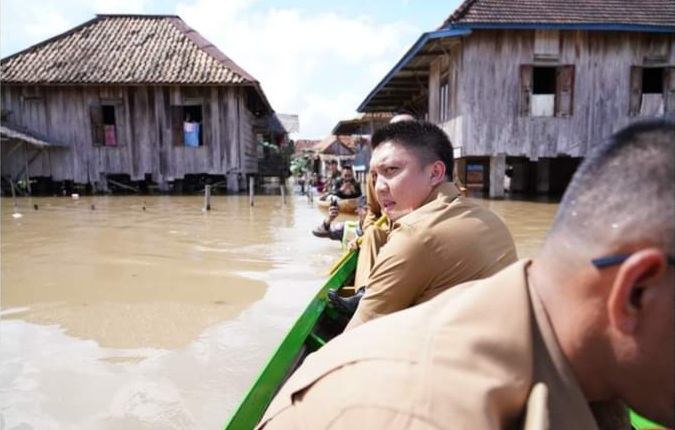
{"points": [[148, 313]]}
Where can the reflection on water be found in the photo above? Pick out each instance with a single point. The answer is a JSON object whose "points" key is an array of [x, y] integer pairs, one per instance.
{"points": [[145, 312]]}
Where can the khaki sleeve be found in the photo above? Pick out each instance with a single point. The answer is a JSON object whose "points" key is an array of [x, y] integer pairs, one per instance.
{"points": [[350, 397], [374, 209], [402, 270], [380, 418]]}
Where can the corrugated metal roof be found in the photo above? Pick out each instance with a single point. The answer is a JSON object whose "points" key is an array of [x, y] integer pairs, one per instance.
{"points": [[125, 49], [619, 12]]}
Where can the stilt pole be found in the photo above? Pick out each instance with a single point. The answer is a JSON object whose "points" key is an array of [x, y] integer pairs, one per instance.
{"points": [[251, 186]]}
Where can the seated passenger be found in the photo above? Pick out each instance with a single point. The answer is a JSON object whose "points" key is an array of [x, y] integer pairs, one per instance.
{"points": [[435, 240], [333, 174], [336, 230], [591, 320], [346, 186]]}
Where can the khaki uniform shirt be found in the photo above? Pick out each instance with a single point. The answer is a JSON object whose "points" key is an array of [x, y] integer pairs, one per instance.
{"points": [[447, 241], [465, 360], [374, 211]]}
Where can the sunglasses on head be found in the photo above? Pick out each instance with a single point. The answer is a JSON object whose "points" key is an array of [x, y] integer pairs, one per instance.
{"points": [[614, 260]]}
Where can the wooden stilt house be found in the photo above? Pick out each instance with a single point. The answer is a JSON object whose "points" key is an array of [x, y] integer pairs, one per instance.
{"points": [[526, 87], [141, 97]]}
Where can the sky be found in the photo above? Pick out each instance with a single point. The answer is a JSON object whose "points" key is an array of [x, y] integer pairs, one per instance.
{"points": [[317, 59]]}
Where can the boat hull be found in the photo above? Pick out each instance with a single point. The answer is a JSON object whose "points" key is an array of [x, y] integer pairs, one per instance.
{"points": [[348, 206], [317, 324]]}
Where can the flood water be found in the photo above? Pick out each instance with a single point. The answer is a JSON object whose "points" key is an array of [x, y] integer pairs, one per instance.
{"points": [[148, 313]]}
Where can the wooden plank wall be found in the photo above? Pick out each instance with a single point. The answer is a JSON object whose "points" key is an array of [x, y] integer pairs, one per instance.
{"points": [[144, 131], [487, 93], [249, 142], [450, 64]]}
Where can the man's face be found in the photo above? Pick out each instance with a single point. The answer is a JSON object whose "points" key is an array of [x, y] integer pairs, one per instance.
{"points": [[401, 183], [347, 174]]}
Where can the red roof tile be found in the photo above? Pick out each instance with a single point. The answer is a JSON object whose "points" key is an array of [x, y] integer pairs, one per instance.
{"points": [[125, 49], [628, 12]]}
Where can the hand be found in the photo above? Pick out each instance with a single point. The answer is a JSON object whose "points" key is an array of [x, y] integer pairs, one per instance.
{"points": [[348, 187], [353, 244], [333, 213]]}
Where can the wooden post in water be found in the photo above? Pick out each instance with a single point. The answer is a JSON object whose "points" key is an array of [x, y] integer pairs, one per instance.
{"points": [[251, 185], [207, 198], [282, 184], [11, 183], [30, 192]]}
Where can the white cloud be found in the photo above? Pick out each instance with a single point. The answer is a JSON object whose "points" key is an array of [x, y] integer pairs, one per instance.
{"points": [[320, 66], [29, 22]]}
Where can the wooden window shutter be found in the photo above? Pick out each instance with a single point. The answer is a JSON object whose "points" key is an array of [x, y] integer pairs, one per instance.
{"points": [[525, 89], [564, 94], [177, 125], [97, 134], [635, 90], [669, 90]]}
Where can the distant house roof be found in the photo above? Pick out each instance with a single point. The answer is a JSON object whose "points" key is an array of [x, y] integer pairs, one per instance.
{"points": [[302, 146], [409, 77], [124, 50], [336, 145], [633, 13], [364, 124]]}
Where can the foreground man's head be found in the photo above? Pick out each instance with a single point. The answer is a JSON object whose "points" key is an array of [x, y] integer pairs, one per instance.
{"points": [[606, 271]]}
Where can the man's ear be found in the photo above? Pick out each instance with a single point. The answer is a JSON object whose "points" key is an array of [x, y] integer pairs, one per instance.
{"points": [[437, 173], [633, 288]]}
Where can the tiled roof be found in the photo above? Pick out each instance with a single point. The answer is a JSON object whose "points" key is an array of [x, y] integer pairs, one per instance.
{"points": [[125, 49], [362, 124], [304, 145], [341, 140], [620, 12]]}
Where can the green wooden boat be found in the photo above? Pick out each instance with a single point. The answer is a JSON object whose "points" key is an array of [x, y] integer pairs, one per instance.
{"points": [[317, 324]]}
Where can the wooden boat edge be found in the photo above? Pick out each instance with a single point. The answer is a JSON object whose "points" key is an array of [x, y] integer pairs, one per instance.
{"points": [[259, 396]]}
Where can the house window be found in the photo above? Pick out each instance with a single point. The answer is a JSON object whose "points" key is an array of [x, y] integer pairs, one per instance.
{"points": [[103, 125], [652, 91], [443, 96], [187, 126], [546, 91]]}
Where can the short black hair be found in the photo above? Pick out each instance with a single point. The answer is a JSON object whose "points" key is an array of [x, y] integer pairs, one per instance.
{"points": [[623, 192], [428, 141]]}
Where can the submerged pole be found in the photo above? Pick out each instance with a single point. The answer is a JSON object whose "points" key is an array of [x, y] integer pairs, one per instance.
{"points": [[14, 201], [282, 184], [207, 198], [30, 192], [251, 184]]}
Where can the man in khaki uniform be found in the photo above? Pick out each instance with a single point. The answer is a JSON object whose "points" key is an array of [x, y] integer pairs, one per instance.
{"points": [[436, 239], [592, 317]]}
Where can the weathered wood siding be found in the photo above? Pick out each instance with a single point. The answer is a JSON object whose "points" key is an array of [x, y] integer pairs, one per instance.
{"points": [[145, 132], [249, 142], [449, 64], [484, 114]]}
